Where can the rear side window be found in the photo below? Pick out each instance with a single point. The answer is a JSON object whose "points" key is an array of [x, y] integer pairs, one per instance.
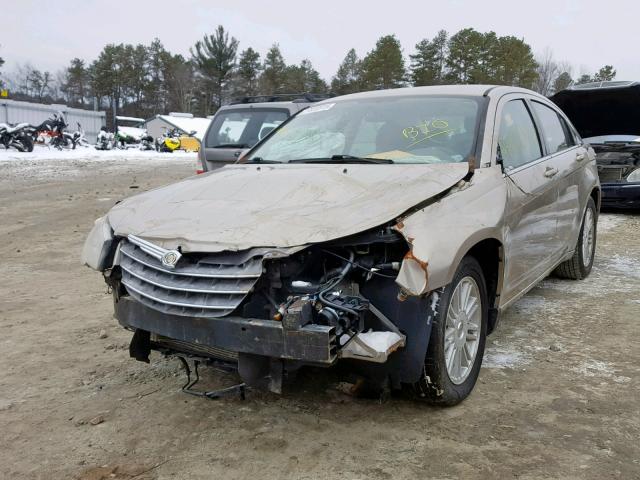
{"points": [[518, 141], [242, 128], [555, 131]]}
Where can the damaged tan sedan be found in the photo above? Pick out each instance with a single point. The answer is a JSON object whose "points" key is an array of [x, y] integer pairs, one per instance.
{"points": [[384, 231]]}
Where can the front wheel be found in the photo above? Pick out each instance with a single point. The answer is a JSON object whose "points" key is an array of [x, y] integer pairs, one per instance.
{"points": [[580, 264], [458, 337]]}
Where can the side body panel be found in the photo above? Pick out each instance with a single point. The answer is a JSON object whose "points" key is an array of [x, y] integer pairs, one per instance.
{"points": [[531, 243], [574, 184], [443, 232]]}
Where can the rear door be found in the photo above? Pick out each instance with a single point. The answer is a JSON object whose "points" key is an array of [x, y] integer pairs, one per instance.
{"points": [[568, 159], [530, 218]]}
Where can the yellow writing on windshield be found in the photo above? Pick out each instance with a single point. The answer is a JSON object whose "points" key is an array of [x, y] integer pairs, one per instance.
{"points": [[426, 130]]}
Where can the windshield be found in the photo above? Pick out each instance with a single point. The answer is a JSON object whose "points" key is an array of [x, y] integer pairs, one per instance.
{"points": [[407, 129], [243, 128]]}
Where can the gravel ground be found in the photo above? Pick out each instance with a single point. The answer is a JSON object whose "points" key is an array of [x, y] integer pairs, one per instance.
{"points": [[558, 395]]}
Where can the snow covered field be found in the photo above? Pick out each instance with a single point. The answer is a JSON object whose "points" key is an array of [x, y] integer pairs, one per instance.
{"points": [[44, 162], [90, 153]]}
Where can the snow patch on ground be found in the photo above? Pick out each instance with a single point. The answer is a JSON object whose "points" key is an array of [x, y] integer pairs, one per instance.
{"points": [[605, 278], [627, 266], [609, 221], [501, 357], [599, 369]]}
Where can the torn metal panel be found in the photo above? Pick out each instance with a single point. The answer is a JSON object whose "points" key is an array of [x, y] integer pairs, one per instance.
{"points": [[441, 233], [243, 206]]}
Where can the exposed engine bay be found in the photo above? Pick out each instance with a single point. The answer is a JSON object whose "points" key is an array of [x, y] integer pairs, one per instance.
{"points": [[617, 160], [330, 301], [323, 282]]}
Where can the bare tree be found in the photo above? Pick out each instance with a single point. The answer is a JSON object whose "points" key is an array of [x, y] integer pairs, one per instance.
{"points": [[547, 70]]}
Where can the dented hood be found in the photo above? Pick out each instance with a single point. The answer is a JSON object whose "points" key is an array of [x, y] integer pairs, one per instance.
{"points": [[286, 205]]}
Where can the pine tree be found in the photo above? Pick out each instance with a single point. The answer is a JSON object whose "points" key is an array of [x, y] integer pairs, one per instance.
{"points": [[76, 83], [383, 67], [512, 63], [179, 83], [273, 75], [427, 64], [606, 73], [215, 58], [562, 82], [248, 72], [303, 78], [156, 95], [348, 78], [109, 75]]}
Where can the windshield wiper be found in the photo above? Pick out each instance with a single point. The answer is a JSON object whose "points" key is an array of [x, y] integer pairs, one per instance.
{"points": [[342, 159], [261, 160], [231, 145]]}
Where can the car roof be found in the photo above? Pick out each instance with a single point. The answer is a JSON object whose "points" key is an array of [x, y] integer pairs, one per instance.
{"points": [[288, 105], [451, 90]]}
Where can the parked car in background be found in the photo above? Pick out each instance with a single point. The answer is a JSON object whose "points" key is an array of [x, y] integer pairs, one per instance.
{"points": [[384, 229], [607, 116], [244, 122]]}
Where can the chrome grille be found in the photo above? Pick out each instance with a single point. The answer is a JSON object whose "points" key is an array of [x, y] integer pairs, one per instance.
{"points": [[199, 286]]}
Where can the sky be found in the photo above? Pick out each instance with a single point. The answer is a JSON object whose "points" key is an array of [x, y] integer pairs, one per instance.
{"points": [[588, 34]]}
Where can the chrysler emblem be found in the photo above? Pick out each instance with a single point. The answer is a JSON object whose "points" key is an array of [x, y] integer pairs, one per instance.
{"points": [[168, 258]]}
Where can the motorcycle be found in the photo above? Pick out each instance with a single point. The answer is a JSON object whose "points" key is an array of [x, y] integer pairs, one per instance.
{"points": [[105, 140], [51, 132], [168, 141], [76, 138], [146, 142], [16, 137]]}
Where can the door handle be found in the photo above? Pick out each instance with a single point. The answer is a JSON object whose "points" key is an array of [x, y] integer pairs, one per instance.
{"points": [[550, 172], [579, 157]]}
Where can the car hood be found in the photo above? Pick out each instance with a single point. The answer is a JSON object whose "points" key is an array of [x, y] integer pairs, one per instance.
{"points": [[243, 206], [602, 111]]}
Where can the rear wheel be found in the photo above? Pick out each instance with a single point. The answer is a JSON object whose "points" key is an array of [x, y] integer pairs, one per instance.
{"points": [[580, 264], [458, 336], [27, 142]]}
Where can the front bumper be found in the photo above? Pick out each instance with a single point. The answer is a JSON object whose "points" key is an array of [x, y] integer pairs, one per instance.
{"points": [[314, 344], [621, 195]]}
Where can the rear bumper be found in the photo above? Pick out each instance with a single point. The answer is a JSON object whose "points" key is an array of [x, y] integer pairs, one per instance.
{"points": [[314, 344], [621, 195]]}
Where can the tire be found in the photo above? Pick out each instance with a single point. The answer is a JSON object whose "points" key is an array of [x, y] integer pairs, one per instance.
{"points": [[438, 386], [580, 264], [27, 142]]}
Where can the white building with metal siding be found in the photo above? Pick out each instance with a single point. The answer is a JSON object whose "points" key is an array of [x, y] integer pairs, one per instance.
{"points": [[184, 122], [13, 111]]}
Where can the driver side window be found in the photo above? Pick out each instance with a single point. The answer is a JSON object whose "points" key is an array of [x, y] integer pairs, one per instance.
{"points": [[518, 142]]}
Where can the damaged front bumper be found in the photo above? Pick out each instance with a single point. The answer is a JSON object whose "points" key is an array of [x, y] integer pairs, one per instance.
{"points": [[313, 344]]}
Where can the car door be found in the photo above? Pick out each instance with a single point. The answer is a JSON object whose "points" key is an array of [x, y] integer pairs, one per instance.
{"points": [[530, 216], [568, 158]]}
